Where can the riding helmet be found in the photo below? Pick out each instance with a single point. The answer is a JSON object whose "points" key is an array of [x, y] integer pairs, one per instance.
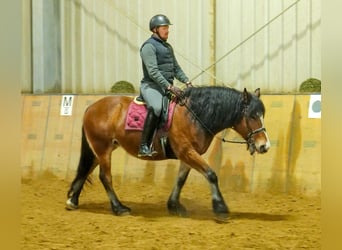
{"points": [[159, 20]]}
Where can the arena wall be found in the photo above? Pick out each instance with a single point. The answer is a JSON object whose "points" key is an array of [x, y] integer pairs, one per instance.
{"points": [[51, 142]]}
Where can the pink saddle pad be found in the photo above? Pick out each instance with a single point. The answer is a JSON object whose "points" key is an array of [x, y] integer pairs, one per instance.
{"points": [[137, 112]]}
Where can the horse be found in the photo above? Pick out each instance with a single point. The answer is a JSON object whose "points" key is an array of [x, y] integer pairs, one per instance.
{"points": [[204, 112]]}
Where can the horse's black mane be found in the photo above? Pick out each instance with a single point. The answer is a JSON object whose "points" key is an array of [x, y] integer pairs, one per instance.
{"points": [[219, 107]]}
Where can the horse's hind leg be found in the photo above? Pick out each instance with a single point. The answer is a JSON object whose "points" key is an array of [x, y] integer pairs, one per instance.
{"points": [[76, 187], [86, 165], [173, 204], [106, 179]]}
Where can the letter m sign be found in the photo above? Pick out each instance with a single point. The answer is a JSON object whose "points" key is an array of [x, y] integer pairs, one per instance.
{"points": [[66, 105]]}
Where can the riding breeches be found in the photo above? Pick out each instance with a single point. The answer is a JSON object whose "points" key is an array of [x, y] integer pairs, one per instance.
{"points": [[152, 97]]}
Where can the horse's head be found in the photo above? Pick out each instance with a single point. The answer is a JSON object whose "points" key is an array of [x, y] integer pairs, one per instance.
{"points": [[251, 127]]}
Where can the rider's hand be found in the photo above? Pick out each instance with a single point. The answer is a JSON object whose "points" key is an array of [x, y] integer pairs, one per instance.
{"points": [[188, 84], [176, 91]]}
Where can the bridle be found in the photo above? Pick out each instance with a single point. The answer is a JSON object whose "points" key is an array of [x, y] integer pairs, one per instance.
{"points": [[250, 140], [250, 134]]}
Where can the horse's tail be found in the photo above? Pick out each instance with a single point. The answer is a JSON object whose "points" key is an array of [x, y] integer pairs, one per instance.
{"points": [[86, 161]]}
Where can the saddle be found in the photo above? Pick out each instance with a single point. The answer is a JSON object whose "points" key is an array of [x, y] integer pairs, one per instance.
{"points": [[137, 112], [136, 116]]}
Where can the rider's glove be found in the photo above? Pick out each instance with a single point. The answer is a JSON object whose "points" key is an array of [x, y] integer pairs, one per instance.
{"points": [[176, 91], [188, 84]]}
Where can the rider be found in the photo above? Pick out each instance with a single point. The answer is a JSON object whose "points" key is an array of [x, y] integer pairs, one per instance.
{"points": [[160, 67]]}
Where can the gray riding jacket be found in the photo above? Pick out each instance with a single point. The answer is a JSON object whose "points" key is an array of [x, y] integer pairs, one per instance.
{"points": [[160, 66]]}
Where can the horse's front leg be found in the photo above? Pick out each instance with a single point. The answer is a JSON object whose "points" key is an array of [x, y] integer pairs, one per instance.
{"points": [[173, 204], [106, 179], [195, 160], [219, 206]]}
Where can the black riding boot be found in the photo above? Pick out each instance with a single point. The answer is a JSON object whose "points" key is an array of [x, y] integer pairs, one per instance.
{"points": [[147, 134]]}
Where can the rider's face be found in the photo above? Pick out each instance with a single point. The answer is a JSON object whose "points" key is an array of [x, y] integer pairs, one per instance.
{"points": [[163, 32]]}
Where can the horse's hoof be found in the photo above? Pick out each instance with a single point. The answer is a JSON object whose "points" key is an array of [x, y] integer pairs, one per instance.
{"points": [[179, 213], [177, 210], [219, 207], [70, 205], [222, 218], [122, 211]]}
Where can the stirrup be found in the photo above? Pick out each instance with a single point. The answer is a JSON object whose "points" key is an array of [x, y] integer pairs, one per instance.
{"points": [[149, 154], [144, 150]]}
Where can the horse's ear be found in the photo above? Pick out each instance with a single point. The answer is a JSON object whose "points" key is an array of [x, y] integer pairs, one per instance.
{"points": [[257, 92], [245, 96]]}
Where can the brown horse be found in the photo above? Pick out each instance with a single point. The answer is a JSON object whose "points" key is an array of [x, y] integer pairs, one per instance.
{"points": [[205, 112]]}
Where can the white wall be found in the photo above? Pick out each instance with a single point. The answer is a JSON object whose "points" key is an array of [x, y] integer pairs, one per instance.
{"points": [[101, 40]]}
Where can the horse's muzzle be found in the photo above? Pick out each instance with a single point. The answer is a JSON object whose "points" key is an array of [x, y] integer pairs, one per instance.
{"points": [[252, 148], [263, 149]]}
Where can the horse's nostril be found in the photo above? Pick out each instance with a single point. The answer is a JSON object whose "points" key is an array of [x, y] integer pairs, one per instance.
{"points": [[263, 149]]}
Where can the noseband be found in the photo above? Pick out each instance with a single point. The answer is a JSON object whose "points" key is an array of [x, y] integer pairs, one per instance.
{"points": [[250, 140], [250, 134]]}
